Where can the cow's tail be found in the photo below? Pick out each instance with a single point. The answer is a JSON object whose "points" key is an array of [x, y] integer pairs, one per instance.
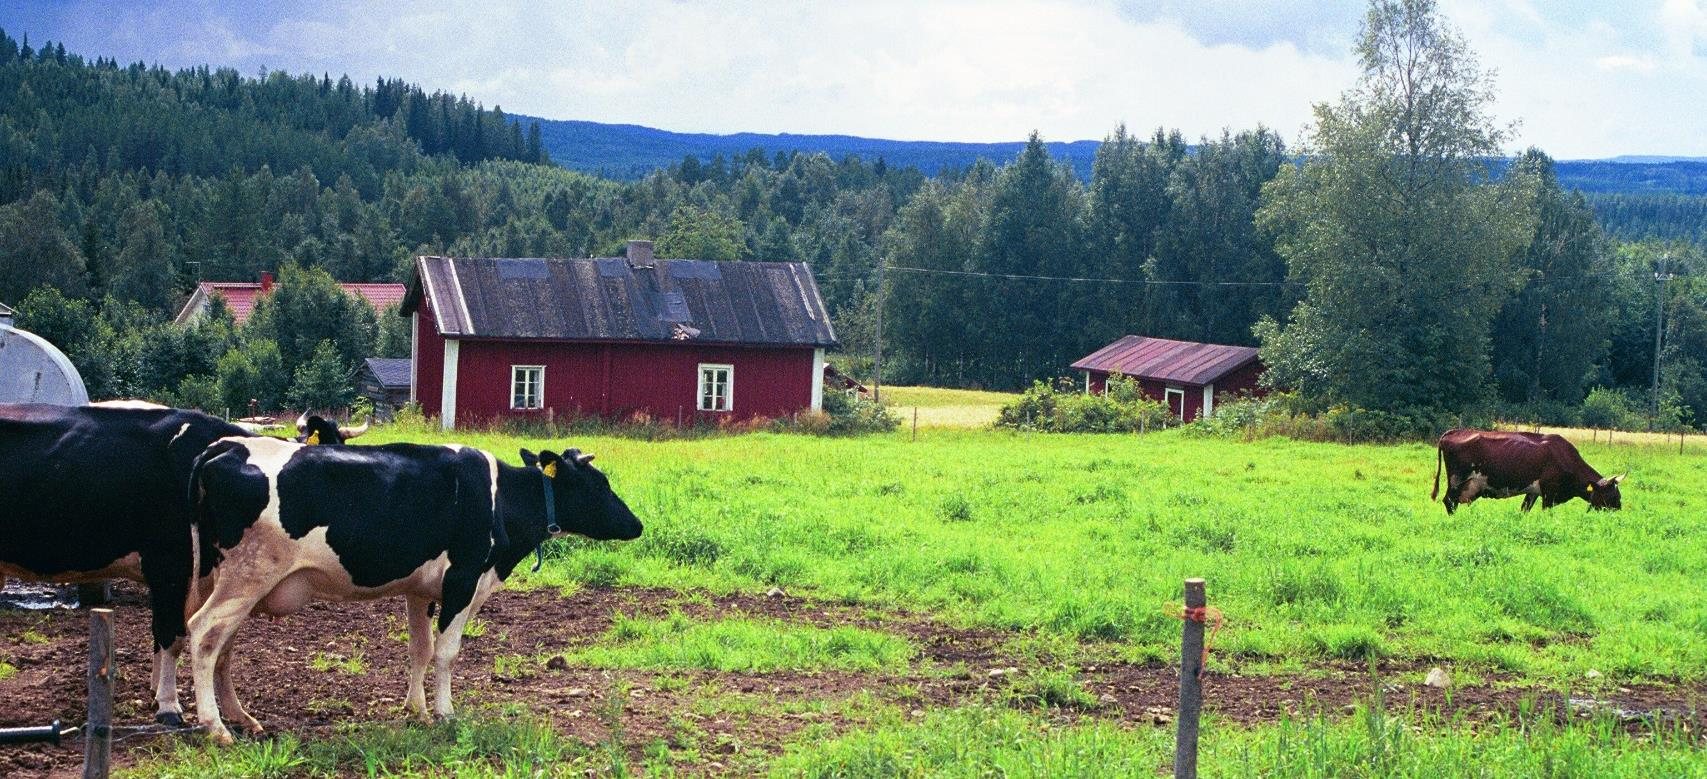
{"points": [[202, 532], [1439, 462]]}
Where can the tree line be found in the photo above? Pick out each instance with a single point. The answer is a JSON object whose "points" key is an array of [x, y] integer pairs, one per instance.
{"points": [[1479, 288]]}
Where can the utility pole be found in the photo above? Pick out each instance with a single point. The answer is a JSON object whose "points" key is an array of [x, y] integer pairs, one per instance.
{"points": [[1661, 276], [877, 364]]}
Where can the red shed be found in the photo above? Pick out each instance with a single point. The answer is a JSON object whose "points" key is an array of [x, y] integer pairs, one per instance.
{"points": [[689, 340], [1183, 374]]}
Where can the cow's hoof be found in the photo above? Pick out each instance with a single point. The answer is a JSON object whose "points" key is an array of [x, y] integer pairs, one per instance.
{"points": [[170, 719], [253, 729], [221, 737]]}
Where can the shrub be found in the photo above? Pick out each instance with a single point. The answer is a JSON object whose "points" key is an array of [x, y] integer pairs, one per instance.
{"points": [[1121, 408], [1607, 407], [851, 414], [1286, 414]]}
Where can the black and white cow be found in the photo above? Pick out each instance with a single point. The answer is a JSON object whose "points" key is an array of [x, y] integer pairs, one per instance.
{"points": [[283, 524], [89, 493], [315, 430]]}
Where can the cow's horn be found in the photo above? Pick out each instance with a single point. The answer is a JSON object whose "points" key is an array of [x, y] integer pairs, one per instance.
{"points": [[354, 432], [583, 458], [1618, 478], [302, 422]]}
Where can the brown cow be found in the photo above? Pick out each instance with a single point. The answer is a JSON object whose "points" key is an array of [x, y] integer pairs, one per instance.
{"points": [[1534, 465]]}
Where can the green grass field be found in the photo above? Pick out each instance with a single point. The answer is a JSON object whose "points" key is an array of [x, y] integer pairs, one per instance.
{"points": [[1314, 551], [1322, 556], [939, 407]]}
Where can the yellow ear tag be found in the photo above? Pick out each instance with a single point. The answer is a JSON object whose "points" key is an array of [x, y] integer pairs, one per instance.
{"points": [[550, 470], [1591, 488], [313, 438]]}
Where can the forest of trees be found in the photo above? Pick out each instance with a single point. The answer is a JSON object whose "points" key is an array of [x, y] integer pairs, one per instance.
{"points": [[121, 186]]}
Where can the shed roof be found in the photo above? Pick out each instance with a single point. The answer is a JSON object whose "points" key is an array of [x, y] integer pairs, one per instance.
{"points": [[392, 372], [752, 303], [1161, 359]]}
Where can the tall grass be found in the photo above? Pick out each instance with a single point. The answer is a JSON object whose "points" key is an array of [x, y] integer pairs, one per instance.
{"points": [[981, 741], [468, 746]]}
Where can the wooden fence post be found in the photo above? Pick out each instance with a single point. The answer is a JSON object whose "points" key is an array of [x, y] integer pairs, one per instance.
{"points": [[915, 423], [1190, 687], [98, 730]]}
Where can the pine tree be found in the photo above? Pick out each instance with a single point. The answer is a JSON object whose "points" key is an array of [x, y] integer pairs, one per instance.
{"points": [[324, 382]]}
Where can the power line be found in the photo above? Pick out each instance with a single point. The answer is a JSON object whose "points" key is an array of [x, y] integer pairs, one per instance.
{"points": [[1080, 279]]}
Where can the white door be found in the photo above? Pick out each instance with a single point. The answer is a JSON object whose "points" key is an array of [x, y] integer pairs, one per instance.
{"points": [[1175, 398]]}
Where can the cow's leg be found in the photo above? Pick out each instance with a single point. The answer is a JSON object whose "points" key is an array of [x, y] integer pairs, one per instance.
{"points": [[1454, 484], [167, 711], [1529, 501], [229, 705], [239, 588], [449, 641], [210, 630], [166, 569], [420, 653]]}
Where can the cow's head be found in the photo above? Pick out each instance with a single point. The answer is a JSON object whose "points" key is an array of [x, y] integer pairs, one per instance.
{"points": [[585, 503], [1603, 494], [313, 429]]}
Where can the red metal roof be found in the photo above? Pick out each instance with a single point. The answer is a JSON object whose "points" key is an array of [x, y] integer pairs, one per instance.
{"points": [[1161, 359], [240, 296], [610, 299]]}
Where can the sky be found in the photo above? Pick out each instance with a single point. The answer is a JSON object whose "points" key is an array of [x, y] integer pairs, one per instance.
{"points": [[1582, 79]]}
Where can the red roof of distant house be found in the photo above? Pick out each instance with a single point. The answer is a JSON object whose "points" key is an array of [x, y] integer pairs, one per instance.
{"points": [[1161, 359], [380, 295], [240, 297]]}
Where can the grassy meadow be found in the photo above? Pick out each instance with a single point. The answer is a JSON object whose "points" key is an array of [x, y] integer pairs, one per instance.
{"points": [[1314, 551], [937, 407], [1322, 556]]}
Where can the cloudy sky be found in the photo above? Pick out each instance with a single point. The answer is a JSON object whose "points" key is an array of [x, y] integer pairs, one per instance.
{"points": [[1585, 78]]}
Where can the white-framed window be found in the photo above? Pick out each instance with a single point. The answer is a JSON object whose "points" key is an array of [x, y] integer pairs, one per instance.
{"points": [[527, 386], [716, 387]]}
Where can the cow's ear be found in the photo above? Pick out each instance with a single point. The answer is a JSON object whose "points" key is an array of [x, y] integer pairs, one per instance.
{"points": [[548, 463], [529, 459]]}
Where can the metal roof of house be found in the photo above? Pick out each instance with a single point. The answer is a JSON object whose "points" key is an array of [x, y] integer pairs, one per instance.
{"points": [[392, 372], [757, 303], [1161, 359]]}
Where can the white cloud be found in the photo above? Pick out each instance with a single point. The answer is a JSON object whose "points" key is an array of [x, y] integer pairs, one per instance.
{"points": [[1643, 64]]}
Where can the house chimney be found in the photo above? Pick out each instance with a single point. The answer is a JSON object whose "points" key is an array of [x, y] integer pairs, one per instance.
{"points": [[266, 282], [640, 254]]}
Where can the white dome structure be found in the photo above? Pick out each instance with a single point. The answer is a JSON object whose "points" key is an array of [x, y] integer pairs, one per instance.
{"points": [[34, 371]]}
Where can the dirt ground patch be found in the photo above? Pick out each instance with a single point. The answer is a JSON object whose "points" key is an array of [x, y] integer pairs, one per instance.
{"points": [[360, 651]]}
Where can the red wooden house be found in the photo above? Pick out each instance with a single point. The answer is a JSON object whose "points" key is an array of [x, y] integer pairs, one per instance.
{"points": [[678, 340], [1185, 375]]}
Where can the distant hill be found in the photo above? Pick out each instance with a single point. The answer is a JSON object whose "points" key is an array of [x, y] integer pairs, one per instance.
{"points": [[1645, 159], [628, 151]]}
